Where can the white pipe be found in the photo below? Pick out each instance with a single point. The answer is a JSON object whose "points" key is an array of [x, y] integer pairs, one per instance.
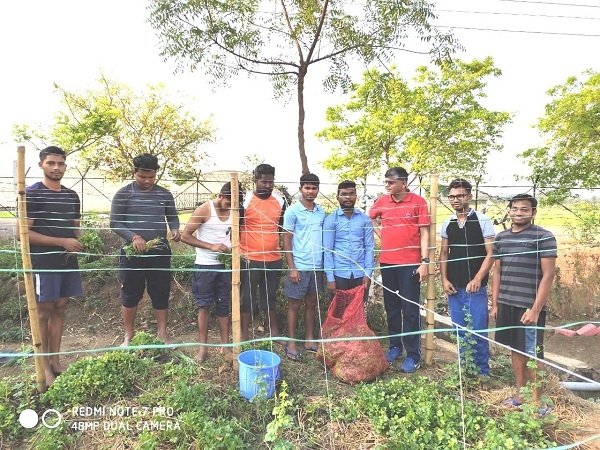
{"points": [[581, 386]]}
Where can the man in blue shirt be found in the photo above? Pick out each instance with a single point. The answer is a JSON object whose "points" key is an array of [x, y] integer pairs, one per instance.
{"points": [[303, 246], [349, 243]]}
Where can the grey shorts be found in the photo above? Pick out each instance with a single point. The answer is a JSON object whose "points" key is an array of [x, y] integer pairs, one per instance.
{"points": [[311, 282]]}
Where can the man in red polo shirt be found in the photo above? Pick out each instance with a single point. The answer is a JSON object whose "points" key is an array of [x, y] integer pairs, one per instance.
{"points": [[403, 220]]}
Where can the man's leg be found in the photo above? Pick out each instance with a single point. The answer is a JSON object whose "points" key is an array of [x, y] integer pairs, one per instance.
{"points": [[245, 323], [203, 314], [389, 278], [161, 316], [410, 290], [456, 305], [128, 315], [519, 367], [44, 311], [223, 323], [478, 307], [55, 332], [268, 283], [310, 308], [292, 320]]}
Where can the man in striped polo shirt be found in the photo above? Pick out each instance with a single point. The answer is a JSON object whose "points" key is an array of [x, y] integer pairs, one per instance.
{"points": [[523, 274]]}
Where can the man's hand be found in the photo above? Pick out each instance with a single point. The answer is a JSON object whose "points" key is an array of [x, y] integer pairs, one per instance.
{"points": [[331, 286], [423, 272], [176, 235], [139, 244], [72, 245], [295, 276], [219, 248], [474, 285], [366, 282], [530, 317], [448, 287], [494, 312]]}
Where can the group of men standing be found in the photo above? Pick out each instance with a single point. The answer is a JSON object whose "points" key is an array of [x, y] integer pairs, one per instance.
{"points": [[337, 249]]}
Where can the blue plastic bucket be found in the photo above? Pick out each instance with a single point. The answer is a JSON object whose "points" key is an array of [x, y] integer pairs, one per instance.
{"points": [[258, 370]]}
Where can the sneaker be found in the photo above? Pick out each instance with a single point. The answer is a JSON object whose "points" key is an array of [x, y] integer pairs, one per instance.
{"points": [[393, 354], [409, 366]]}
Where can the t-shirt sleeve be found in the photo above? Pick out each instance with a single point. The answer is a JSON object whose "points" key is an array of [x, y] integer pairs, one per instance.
{"points": [[423, 214], [548, 247], [487, 227], [444, 229], [375, 210], [76, 206], [289, 220], [496, 253]]}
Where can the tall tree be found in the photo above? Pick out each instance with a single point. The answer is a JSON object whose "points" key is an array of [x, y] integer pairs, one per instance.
{"points": [[434, 123], [570, 156], [108, 126], [283, 38]]}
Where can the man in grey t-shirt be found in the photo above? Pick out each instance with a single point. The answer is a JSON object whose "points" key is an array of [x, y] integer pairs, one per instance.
{"points": [[525, 262], [139, 213]]}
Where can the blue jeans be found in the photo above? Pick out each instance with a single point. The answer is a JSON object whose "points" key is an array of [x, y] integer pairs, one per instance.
{"points": [[402, 316], [476, 305]]}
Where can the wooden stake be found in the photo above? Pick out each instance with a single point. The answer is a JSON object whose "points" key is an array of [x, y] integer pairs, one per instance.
{"points": [[429, 317], [36, 340], [236, 326]]}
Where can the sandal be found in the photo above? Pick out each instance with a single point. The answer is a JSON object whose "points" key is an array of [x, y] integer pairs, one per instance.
{"points": [[311, 349], [544, 411], [294, 356]]}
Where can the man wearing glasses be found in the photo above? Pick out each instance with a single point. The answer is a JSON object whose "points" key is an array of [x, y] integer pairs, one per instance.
{"points": [[403, 219], [465, 262]]}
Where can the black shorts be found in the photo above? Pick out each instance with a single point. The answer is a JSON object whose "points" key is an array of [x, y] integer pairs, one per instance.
{"points": [[151, 271], [529, 340], [260, 281], [211, 285]]}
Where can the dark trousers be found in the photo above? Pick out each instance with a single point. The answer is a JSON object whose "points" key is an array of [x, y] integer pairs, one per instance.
{"points": [[402, 316]]}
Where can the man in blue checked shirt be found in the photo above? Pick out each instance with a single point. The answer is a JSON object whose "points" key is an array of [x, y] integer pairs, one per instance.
{"points": [[349, 243]]}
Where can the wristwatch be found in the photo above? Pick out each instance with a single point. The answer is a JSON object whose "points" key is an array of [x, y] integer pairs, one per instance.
{"points": [[426, 260]]}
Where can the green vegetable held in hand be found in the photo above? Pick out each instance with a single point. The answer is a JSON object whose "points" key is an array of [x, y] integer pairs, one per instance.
{"points": [[153, 244]]}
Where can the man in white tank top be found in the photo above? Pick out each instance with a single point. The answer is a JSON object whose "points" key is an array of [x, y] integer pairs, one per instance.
{"points": [[211, 284]]}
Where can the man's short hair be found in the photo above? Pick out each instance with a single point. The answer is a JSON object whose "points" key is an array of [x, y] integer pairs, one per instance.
{"points": [[397, 172], [226, 191], [145, 161], [523, 197], [460, 183], [263, 169], [309, 178], [346, 184], [52, 150]]}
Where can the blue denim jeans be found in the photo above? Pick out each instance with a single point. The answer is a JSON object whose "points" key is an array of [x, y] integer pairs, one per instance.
{"points": [[476, 305], [402, 316]]}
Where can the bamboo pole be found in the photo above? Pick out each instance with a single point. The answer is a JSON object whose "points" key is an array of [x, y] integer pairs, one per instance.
{"points": [[36, 340], [429, 317], [236, 326]]}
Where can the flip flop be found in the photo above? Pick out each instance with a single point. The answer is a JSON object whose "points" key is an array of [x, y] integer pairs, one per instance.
{"points": [[294, 356], [544, 411], [311, 349]]}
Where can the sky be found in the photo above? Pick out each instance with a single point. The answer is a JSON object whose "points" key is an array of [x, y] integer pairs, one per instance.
{"points": [[70, 42]]}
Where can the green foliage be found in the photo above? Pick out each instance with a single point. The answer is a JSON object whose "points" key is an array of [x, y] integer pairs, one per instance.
{"points": [[586, 229], [223, 38], [90, 381], [15, 396], [415, 413], [152, 244], [435, 123], [144, 338], [571, 154], [282, 420], [110, 125]]}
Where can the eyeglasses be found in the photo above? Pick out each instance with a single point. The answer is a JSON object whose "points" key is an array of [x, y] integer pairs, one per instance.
{"points": [[392, 181], [457, 197]]}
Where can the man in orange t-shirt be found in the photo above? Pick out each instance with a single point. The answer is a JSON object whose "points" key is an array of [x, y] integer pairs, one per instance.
{"points": [[261, 251], [404, 221]]}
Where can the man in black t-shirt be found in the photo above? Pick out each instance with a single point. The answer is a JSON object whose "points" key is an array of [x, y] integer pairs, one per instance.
{"points": [[53, 215]]}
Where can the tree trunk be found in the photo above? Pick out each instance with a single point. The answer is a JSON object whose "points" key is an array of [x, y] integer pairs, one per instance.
{"points": [[301, 116]]}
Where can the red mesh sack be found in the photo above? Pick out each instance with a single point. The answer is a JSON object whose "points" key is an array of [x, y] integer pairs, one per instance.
{"points": [[350, 361]]}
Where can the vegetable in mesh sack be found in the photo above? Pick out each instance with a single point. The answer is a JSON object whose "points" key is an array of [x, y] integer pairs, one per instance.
{"points": [[153, 244], [351, 361]]}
